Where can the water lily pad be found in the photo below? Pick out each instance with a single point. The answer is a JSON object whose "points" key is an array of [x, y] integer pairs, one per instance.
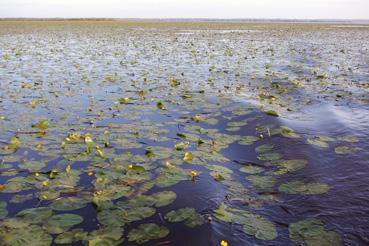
{"points": [[189, 215], [248, 140], [272, 113], [72, 236], [299, 187], [264, 148], [262, 183], [108, 236], [120, 217], [318, 142], [286, 166], [35, 215], [270, 156], [311, 232], [32, 165], [348, 138], [288, 132], [146, 232], [27, 235], [250, 169], [342, 150], [68, 204], [3, 210], [21, 198], [159, 199], [253, 224], [62, 222]]}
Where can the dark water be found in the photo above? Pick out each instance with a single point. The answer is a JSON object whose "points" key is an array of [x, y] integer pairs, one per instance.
{"points": [[76, 76]]}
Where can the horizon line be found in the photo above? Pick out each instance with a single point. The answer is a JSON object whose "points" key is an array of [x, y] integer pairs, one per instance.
{"points": [[183, 18]]}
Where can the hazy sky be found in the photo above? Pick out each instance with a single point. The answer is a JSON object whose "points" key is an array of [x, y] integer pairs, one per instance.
{"points": [[296, 9]]}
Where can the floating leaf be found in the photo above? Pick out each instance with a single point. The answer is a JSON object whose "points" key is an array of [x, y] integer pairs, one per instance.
{"points": [[253, 224], [189, 215], [25, 235], [270, 156], [68, 204], [43, 124], [348, 138], [32, 166], [299, 187], [3, 210], [264, 148], [311, 232], [72, 236], [35, 215], [272, 113], [108, 236], [21, 198], [288, 132], [262, 183], [62, 222], [146, 232], [318, 142], [250, 169], [248, 140], [342, 150]]}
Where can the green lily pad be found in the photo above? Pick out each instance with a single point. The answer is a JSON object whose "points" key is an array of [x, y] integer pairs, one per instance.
{"points": [[286, 166], [62, 222], [253, 224], [68, 204], [35, 215], [299, 187], [248, 140], [146, 232], [342, 150], [318, 142], [264, 148], [250, 169], [32, 166], [272, 113], [311, 232], [27, 235], [270, 156], [72, 236], [189, 215], [218, 171], [108, 236], [21, 198], [159, 199], [348, 138], [262, 183], [43, 124], [3, 210], [172, 176], [120, 217]]}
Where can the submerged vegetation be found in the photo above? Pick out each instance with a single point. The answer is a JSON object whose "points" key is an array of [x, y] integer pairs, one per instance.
{"points": [[132, 133]]}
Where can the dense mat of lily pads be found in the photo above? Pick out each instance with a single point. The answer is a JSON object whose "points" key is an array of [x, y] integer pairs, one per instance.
{"points": [[115, 117]]}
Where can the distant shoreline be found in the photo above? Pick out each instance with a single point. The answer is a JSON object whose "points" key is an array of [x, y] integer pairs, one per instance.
{"points": [[324, 21]]}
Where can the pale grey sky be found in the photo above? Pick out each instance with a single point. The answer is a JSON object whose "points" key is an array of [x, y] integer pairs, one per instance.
{"points": [[294, 9]]}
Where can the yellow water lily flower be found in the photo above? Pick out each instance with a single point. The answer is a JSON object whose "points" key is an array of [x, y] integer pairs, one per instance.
{"points": [[39, 146], [99, 151], [223, 243], [188, 156], [194, 173], [68, 169]]}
